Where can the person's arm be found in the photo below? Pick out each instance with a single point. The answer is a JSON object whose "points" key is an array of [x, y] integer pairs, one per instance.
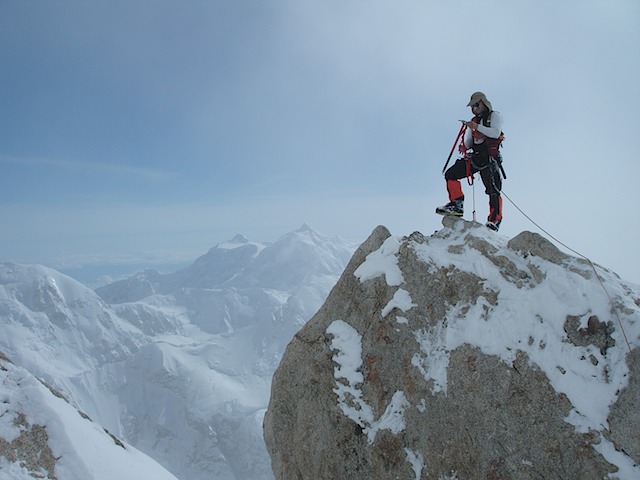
{"points": [[468, 138], [495, 129]]}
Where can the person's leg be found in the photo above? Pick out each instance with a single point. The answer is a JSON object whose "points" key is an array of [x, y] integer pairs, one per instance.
{"points": [[493, 184], [454, 189], [453, 175]]}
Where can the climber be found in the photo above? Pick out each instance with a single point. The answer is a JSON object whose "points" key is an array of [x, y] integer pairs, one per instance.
{"points": [[480, 146]]}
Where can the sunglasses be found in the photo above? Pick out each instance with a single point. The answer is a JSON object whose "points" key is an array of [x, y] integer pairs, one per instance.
{"points": [[476, 105]]}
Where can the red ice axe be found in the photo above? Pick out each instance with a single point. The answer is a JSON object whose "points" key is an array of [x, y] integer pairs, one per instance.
{"points": [[460, 133]]}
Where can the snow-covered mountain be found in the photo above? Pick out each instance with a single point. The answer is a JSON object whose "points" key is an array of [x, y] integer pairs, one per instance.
{"points": [[178, 365], [43, 436]]}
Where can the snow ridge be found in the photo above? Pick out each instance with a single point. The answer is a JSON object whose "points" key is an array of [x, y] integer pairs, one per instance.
{"points": [[178, 365]]}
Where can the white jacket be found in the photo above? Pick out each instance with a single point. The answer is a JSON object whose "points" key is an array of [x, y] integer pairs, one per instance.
{"points": [[494, 131]]}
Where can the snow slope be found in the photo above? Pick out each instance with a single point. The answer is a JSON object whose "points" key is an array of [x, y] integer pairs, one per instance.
{"points": [[83, 449], [178, 365]]}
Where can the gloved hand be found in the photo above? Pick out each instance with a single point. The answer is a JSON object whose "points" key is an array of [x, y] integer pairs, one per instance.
{"points": [[471, 124]]}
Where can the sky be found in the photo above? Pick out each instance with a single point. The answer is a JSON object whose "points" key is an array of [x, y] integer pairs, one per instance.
{"points": [[142, 133]]}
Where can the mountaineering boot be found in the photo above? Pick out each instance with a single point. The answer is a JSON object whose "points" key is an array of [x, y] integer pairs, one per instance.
{"points": [[454, 208], [493, 226]]}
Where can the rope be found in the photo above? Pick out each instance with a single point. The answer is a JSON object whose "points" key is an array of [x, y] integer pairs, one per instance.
{"points": [[469, 170], [470, 181], [615, 312], [473, 189]]}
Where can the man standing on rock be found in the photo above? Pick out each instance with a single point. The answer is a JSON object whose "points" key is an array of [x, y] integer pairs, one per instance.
{"points": [[480, 146]]}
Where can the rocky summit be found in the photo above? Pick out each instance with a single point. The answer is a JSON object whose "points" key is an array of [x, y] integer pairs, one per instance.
{"points": [[462, 355]]}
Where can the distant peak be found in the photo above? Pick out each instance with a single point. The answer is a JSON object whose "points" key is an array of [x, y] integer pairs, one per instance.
{"points": [[306, 228], [238, 241], [239, 238]]}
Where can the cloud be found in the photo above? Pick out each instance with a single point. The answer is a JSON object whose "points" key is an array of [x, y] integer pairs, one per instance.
{"points": [[92, 167]]}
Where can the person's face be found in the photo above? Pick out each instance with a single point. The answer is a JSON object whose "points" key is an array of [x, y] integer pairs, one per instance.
{"points": [[478, 108]]}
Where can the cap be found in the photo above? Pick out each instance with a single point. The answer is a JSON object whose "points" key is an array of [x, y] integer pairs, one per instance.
{"points": [[479, 96]]}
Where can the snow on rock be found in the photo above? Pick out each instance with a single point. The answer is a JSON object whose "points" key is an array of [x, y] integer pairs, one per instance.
{"points": [[501, 358], [401, 300], [417, 462], [347, 343], [384, 262]]}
